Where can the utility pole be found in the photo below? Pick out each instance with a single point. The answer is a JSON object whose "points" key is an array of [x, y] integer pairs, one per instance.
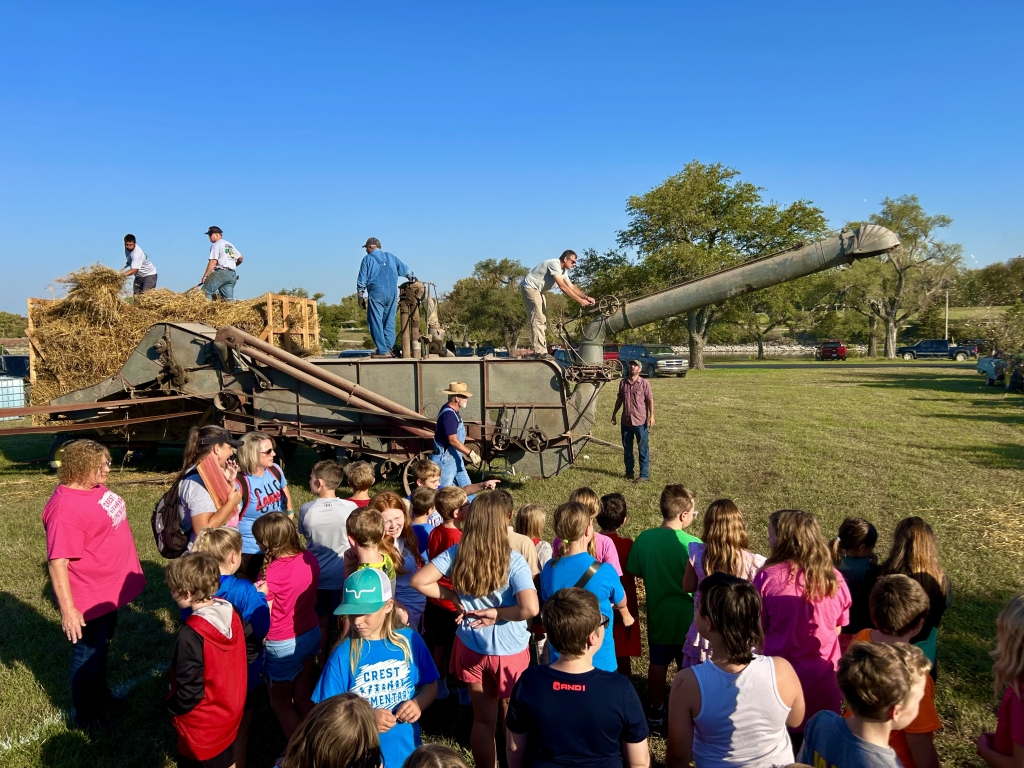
{"points": [[947, 313]]}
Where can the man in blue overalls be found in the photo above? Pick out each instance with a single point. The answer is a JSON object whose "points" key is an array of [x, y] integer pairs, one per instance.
{"points": [[450, 449], [378, 277]]}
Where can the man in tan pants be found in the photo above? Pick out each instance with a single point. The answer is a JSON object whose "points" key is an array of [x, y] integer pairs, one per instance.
{"points": [[544, 277]]}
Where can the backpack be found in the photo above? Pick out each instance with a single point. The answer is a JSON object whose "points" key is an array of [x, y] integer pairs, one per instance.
{"points": [[244, 484], [171, 541]]}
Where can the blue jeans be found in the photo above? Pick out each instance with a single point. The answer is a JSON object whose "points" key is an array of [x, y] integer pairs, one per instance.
{"points": [[640, 433], [89, 691], [453, 470], [221, 281], [380, 318]]}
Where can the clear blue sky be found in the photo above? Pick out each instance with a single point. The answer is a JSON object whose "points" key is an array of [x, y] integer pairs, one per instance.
{"points": [[456, 132]]}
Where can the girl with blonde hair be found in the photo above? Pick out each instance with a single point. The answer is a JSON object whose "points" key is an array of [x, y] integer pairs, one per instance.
{"points": [[340, 732], [914, 553], [225, 546], [574, 566], [401, 544], [805, 605], [529, 522], [265, 490], [495, 595], [602, 547], [723, 549], [1004, 748], [383, 661], [290, 577]]}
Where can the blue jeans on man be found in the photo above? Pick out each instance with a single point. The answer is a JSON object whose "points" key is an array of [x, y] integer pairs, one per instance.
{"points": [[639, 433], [89, 691], [453, 468], [221, 281]]}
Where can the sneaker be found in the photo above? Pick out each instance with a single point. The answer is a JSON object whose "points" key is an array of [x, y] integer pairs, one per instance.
{"points": [[643, 480], [656, 718]]}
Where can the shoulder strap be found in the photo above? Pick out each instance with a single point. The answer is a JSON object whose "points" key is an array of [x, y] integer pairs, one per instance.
{"points": [[587, 575], [244, 485], [275, 472]]}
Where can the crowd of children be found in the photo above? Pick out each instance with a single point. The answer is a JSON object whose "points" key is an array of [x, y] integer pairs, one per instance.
{"points": [[815, 651]]}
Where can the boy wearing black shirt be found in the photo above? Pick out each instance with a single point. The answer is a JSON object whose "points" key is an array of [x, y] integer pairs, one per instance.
{"points": [[570, 713]]}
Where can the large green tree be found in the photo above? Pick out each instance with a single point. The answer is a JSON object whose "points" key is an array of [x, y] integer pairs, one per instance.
{"points": [[487, 305], [12, 325], [702, 220], [896, 287]]}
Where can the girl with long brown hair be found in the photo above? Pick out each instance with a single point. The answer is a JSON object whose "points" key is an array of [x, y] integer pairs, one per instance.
{"points": [[723, 549], [914, 553], [290, 578], [805, 605], [494, 591], [853, 552], [200, 505]]}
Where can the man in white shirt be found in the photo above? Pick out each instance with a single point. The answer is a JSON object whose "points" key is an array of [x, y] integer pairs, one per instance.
{"points": [[544, 277], [137, 263], [220, 276]]}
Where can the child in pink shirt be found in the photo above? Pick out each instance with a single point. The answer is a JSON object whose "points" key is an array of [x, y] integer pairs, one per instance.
{"points": [[291, 576], [805, 604], [603, 548], [1005, 745]]}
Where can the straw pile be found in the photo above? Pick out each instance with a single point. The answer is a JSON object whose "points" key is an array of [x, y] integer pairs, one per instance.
{"points": [[87, 335]]}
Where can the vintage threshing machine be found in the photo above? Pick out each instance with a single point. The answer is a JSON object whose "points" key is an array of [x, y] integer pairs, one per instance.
{"points": [[527, 416]]}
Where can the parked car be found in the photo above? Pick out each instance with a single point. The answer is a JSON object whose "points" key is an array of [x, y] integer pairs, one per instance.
{"points": [[354, 353], [993, 369], [654, 359], [611, 351], [936, 349], [830, 350], [14, 365]]}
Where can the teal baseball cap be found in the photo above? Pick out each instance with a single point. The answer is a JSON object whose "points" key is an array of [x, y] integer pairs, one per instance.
{"points": [[366, 591]]}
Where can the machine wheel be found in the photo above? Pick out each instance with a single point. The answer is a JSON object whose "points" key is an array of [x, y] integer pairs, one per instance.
{"points": [[135, 456], [56, 452], [681, 375], [408, 483], [961, 356], [908, 355], [650, 373]]}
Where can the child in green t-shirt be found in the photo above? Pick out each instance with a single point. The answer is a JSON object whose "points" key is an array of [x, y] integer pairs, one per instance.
{"points": [[659, 557]]}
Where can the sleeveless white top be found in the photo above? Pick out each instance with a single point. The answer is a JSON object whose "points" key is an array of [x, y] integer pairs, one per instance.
{"points": [[742, 720]]}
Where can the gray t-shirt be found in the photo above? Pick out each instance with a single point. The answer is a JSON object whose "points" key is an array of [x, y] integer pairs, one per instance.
{"points": [[195, 500], [322, 522], [827, 741], [542, 278], [225, 254]]}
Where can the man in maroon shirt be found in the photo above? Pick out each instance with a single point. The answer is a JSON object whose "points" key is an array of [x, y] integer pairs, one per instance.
{"points": [[637, 405]]}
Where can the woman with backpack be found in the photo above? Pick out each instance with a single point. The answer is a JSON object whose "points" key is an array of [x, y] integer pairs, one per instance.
{"points": [[204, 495], [264, 490], [94, 568]]}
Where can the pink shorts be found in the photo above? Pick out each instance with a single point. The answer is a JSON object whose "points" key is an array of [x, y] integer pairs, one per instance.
{"points": [[503, 671]]}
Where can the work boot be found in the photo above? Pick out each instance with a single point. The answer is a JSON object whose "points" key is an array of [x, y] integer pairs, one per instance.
{"points": [[380, 355]]}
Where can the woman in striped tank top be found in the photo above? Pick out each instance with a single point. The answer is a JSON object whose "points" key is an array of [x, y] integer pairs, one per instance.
{"points": [[734, 708]]}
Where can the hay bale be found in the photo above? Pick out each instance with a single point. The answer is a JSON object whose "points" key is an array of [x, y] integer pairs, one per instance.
{"points": [[87, 335]]}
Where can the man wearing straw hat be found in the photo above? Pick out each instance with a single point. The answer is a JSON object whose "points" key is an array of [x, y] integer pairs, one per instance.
{"points": [[450, 449]]}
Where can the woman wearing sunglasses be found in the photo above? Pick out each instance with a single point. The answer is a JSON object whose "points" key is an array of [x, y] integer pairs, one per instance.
{"points": [[264, 490], [94, 568]]}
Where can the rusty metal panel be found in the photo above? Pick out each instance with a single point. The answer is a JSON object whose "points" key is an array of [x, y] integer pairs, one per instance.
{"points": [[438, 374]]}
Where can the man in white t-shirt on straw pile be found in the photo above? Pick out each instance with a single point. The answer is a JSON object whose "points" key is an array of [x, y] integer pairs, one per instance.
{"points": [[137, 263], [220, 276]]}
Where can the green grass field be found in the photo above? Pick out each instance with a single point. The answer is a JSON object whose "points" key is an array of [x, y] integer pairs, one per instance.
{"points": [[882, 441]]}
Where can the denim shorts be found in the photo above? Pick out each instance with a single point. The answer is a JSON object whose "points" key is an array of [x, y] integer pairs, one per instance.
{"points": [[286, 657]]}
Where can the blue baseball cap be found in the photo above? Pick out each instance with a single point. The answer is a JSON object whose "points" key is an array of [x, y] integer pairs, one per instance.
{"points": [[366, 591]]}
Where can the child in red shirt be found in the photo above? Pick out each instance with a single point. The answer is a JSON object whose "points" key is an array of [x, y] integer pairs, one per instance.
{"points": [[627, 639], [208, 670], [360, 478], [439, 617]]}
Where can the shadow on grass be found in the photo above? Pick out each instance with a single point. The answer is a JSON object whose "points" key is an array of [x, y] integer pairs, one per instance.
{"points": [[929, 381]]}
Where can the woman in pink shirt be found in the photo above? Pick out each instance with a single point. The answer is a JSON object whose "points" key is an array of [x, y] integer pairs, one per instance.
{"points": [[601, 547], [94, 568], [805, 605], [291, 575]]}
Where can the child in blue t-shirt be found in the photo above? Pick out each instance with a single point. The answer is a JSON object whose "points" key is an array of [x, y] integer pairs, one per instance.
{"points": [[225, 545], [573, 567], [390, 668], [422, 502]]}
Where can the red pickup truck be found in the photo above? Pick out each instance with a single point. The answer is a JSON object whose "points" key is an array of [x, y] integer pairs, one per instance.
{"points": [[830, 350]]}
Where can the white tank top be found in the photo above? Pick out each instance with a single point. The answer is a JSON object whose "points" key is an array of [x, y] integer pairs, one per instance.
{"points": [[742, 720]]}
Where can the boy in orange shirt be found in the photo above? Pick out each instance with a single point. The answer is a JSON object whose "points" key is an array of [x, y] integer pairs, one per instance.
{"points": [[899, 607]]}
